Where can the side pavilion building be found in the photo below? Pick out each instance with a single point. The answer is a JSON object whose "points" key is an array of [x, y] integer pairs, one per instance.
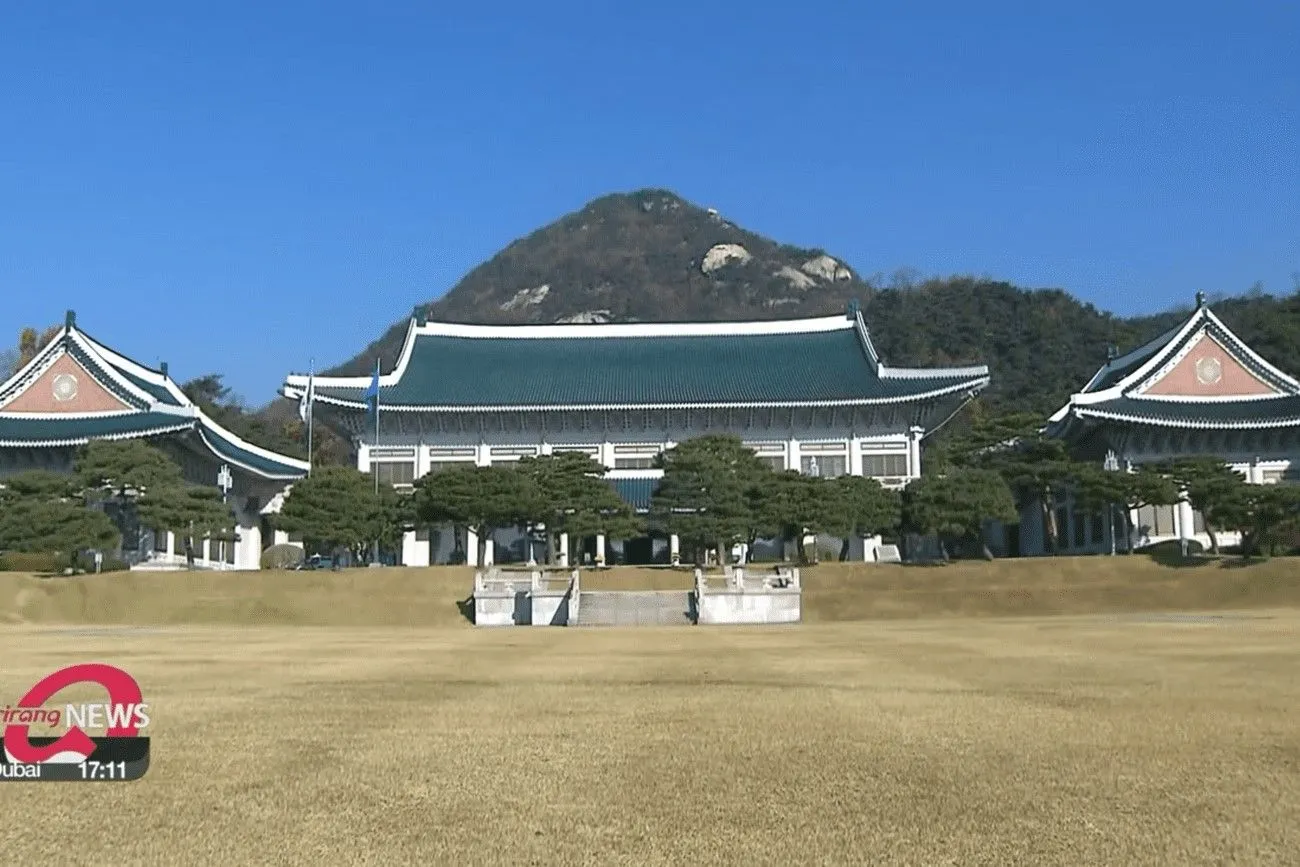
{"points": [[77, 389], [1197, 389], [805, 394]]}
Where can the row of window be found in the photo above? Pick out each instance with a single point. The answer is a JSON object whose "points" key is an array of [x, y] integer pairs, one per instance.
{"points": [[1077, 529], [886, 466], [218, 550]]}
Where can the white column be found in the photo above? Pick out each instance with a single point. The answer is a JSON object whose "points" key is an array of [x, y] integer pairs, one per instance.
{"points": [[483, 455], [564, 550], [207, 546], [675, 549], [171, 544], [248, 545], [415, 548], [363, 456], [489, 552], [606, 456], [471, 548], [600, 549], [855, 456], [914, 452], [870, 544], [1186, 522], [279, 537], [793, 457]]}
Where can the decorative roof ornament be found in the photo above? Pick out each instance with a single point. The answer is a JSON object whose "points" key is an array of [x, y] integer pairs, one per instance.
{"points": [[162, 368], [854, 308], [70, 320], [420, 314], [1112, 352], [1200, 300]]}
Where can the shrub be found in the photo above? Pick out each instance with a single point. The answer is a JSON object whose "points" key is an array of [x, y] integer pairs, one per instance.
{"points": [[281, 557]]}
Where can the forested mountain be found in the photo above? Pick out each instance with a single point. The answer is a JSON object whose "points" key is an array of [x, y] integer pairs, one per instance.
{"points": [[652, 256]]}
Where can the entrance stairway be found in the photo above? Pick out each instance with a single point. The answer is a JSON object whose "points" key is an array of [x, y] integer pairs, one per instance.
{"points": [[635, 608]]}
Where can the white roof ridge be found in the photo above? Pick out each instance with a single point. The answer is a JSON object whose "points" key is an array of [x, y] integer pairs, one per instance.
{"points": [[814, 325]]}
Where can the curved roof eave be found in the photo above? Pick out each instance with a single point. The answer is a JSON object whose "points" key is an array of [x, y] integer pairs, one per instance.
{"points": [[977, 384]]}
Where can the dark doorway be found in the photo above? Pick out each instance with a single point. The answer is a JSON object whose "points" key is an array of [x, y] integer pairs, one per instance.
{"points": [[638, 551]]}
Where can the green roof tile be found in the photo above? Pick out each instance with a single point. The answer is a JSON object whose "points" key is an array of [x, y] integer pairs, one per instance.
{"points": [[17, 430], [1277, 411], [635, 492], [225, 446], [568, 371]]}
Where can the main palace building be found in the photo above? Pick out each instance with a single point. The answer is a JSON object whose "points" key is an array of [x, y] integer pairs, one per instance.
{"points": [[805, 394]]}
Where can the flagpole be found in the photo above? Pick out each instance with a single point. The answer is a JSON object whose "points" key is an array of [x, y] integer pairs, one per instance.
{"points": [[374, 468], [311, 411], [372, 462]]}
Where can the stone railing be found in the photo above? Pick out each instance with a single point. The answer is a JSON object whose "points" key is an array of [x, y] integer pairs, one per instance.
{"points": [[539, 597], [744, 594]]}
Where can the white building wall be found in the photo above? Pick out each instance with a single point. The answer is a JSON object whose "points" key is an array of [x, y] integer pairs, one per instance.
{"points": [[476, 445]]}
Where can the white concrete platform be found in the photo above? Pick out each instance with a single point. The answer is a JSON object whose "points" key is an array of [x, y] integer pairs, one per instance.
{"points": [[745, 595]]}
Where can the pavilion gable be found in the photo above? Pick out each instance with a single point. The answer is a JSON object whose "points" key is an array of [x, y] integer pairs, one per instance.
{"points": [[1206, 368], [1198, 376], [66, 386]]}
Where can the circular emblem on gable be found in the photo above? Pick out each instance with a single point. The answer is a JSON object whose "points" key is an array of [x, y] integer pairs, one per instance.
{"points": [[65, 386], [1209, 370]]}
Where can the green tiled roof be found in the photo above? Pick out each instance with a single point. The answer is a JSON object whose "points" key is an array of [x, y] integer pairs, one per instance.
{"points": [[1265, 412], [1132, 361], [157, 392], [635, 492], [452, 371], [17, 431], [223, 445]]}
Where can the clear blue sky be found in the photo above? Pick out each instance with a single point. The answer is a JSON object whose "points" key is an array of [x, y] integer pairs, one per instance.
{"points": [[168, 170]]}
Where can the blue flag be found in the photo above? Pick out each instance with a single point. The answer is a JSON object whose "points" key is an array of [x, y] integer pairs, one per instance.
{"points": [[372, 393]]}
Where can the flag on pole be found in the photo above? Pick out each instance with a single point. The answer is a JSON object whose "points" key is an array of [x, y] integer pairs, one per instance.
{"points": [[308, 396], [306, 411], [372, 393]]}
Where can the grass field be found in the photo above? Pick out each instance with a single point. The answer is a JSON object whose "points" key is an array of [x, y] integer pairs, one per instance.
{"points": [[832, 593], [1101, 738]]}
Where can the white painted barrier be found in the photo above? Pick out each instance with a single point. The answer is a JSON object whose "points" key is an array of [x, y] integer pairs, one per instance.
{"points": [[741, 595], [534, 598]]}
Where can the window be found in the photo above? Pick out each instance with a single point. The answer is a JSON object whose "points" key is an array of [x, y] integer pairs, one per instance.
{"points": [[394, 473], [513, 451], [776, 462], [634, 462], [825, 466], [1198, 522], [884, 466], [1079, 533], [1063, 526], [439, 466], [1098, 528], [160, 540], [229, 549], [1165, 520], [1156, 520]]}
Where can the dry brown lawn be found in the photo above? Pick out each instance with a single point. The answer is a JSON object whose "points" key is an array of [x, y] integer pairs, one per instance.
{"points": [[1105, 738], [834, 592]]}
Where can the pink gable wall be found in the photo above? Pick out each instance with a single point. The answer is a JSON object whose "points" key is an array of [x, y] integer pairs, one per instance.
{"points": [[90, 396], [1234, 379]]}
